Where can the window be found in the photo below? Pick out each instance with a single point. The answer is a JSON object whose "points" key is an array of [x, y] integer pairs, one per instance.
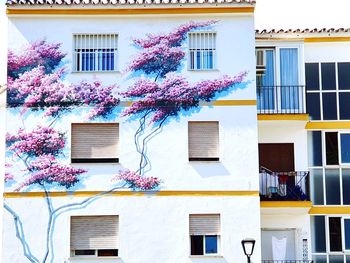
{"points": [[329, 159], [278, 88], [95, 142], [204, 234], [203, 141], [202, 51], [94, 236], [331, 238], [95, 52], [328, 90]]}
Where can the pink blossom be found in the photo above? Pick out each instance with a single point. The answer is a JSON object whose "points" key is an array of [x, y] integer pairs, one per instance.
{"points": [[174, 94], [46, 169], [42, 140], [37, 53], [173, 38], [136, 181]]}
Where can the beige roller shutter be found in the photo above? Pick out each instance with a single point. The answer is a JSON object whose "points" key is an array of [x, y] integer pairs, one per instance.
{"points": [[203, 139], [205, 224], [95, 140], [94, 232]]}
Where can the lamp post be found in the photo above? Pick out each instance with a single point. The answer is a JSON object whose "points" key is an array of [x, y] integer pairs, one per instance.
{"points": [[248, 247]]}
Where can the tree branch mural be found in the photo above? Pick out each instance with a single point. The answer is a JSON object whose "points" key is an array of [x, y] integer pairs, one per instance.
{"points": [[36, 84]]}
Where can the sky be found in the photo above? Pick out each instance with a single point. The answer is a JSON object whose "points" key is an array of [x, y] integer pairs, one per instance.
{"points": [[269, 14]]}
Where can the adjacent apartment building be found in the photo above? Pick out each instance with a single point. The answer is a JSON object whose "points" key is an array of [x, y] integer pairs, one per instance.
{"points": [[169, 131]]}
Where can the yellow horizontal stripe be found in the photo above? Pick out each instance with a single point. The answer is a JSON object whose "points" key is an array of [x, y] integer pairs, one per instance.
{"points": [[283, 117], [319, 125], [131, 193], [129, 11], [234, 103], [216, 103], [326, 39], [285, 204], [325, 210]]}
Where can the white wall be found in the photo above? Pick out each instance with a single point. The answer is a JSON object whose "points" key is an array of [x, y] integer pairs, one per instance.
{"points": [[167, 151], [327, 52], [151, 228]]}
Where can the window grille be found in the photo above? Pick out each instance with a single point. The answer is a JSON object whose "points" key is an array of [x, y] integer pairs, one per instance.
{"points": [[202, 47], [95, 52]]}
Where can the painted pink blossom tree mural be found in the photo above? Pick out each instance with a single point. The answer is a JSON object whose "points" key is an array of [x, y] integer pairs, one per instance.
{"points": [[36, 84], [163, 92]]}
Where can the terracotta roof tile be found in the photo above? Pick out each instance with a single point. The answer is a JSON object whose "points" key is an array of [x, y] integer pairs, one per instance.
{"points": [[301, 33], [125, 2]]}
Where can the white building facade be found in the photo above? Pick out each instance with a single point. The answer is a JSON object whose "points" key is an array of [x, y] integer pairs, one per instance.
{"points": [[112, 160]]}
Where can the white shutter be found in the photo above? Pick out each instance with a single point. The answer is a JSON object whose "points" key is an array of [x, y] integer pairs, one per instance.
{"points": [[205, 224], [203, 138], [94, 232], [95, 140]]}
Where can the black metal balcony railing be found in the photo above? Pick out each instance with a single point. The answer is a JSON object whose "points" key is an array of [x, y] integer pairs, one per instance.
{"points": [[280, 99], [287, 261], [284, 186]]}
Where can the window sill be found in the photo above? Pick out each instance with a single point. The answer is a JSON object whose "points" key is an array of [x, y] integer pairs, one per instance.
{"points": [[96, 71], [203, 70], [92, 258], [206, 256]]}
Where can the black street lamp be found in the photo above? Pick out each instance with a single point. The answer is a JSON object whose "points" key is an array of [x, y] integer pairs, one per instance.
{"points": [[248, 247]]}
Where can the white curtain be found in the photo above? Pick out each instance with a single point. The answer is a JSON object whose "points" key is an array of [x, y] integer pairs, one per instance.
{"points": [[289, 78], [266, 95], [279, 248]]}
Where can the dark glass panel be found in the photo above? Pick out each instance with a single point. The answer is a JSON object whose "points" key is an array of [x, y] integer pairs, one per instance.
{"points": [[344, 105], [345, 147], [197, 245], [347, 233], [313, 105], [332, 148], [85, 252], [315, 148], [312, 76], [346, 186], [107, 252], [328, 76], [329, 103], [332, 186], [317, 186], [319, 258], [344, 75], [318, 229], [335, 243], [336, 259], [211, 244]]}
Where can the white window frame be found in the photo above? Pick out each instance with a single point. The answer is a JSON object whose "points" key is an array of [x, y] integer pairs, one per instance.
{"points": [[276, 47], [204, 252], [92, 159], [74, 53], [88, 257], [189, 62], [321, 91]]}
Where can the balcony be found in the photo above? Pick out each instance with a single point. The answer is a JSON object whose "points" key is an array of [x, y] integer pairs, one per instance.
{"points": [[281, 99], [284, 186]]}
